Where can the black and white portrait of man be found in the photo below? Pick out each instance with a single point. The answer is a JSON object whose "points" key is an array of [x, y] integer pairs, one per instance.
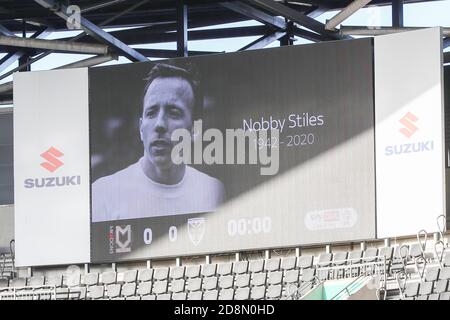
{"points": [[154, 185]]}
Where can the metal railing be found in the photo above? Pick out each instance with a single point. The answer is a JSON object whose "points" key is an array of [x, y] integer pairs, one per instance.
{"points": [[302, 290], [345, 268], [45, 292], [352, 285]]}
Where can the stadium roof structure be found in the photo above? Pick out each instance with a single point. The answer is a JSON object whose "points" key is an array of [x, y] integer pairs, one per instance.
{"points": [[158, 21]]}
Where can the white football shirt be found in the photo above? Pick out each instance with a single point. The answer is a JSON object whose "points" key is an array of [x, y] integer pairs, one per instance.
{"points": [[130, 194]]}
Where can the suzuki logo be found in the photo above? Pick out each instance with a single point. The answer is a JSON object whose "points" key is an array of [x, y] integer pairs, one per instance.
{"points": [[51, 156], [409, 127]]}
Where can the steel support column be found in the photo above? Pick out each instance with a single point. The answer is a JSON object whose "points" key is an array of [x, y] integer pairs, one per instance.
{"points": [[264, 41], [94, 31], [182, 29], [446, 43], [345, 13], [296, 17], [397, 13]]}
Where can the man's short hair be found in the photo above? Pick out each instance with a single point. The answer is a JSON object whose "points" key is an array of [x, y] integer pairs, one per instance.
{"points": [[188, 73]]}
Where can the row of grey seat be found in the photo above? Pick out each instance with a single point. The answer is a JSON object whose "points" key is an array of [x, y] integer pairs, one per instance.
{"points": [[435, 284], [224, 279]]}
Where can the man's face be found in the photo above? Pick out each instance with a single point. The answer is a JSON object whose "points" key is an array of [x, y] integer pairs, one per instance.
{"points": [[168, 105]]}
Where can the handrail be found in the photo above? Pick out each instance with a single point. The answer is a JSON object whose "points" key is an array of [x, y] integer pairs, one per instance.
{"points": [[441, 256], [297, 293], [400, 287], [13, 255], [442, 229], [346, 289], [425, 233], [3, 265], [15, 292]]}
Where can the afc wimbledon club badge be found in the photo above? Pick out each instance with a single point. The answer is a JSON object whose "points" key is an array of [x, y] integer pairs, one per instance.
{"points": [[196, 230]]}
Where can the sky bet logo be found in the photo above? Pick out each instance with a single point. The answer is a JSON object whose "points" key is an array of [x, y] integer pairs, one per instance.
{"points": [[409, 128], [52, 164]]}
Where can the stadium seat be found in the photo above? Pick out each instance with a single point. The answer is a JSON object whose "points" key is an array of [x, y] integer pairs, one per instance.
{"points": [[433, 296], [4, 283], [446, 260], [415, 250], [96, 292], [411, 289], [426, 288], [210, 294], [149, 297], [256, 266], [54, 280], [129, 290], [109, 277], [226, 294], [179, 296], [325, 259], [308, 275], [133, 298], [387, 253], [288, 263], [432, 274], [226, 282], [242, 280], [73, 280], [305, 262], [272, 264], [164, 296], [291, 276], [209, 283], [192, 271], [91, 279], [240, 267], [145, 275], [425, 297], [323, 274], [37, 281], [224, 269], [370, 255], [275, 277], [274, 292], [242, 293], [258, 279], [258, 293], [77, 293], [113, 290], [354, 257], [18, 282], [440, 286], [160, 274], [339, 258], [194, 284], [144, 288], [195, 295], [209, 270], [177, 272], [159, 287], [130, 276], [177, 285], [444, 296], [444, 274]]}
